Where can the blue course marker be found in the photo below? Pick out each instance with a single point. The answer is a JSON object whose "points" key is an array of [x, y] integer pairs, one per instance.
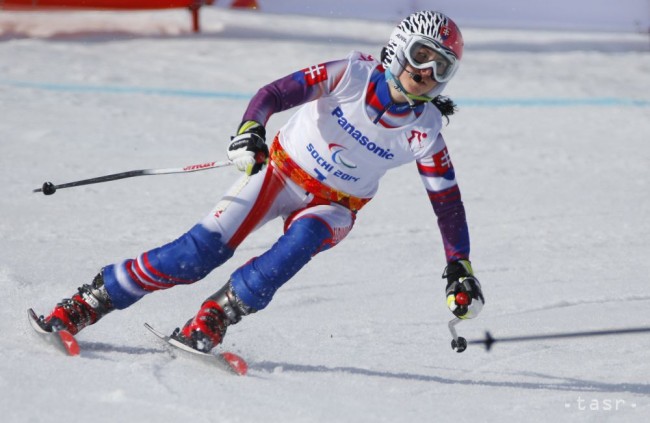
{"points": [[552, 102]]}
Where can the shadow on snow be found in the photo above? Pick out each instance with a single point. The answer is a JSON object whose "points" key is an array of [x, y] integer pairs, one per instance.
{"points": [[561, 384]]}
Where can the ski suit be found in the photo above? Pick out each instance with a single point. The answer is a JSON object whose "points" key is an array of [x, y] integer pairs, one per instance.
{"points": [[325, 164]]}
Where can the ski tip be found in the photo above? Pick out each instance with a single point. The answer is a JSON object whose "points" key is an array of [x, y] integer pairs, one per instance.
{"points": [[62, 340], [237, 364], [36, 323], [151, 329]]}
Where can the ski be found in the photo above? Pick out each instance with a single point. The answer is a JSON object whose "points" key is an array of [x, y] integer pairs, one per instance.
{"points": [[227, 361], [61, 340]]}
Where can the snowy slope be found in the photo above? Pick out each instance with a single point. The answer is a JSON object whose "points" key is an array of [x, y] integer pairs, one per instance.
{"points": [[551, 151]]}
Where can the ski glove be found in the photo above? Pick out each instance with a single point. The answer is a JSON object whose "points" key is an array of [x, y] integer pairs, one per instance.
{"points": [[464, 295], [248, 150]]}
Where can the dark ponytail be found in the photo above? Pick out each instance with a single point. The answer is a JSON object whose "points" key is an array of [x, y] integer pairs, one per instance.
{"points": [[446, 106]]}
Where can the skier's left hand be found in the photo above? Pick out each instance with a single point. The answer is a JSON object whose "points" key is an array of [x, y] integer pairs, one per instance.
{"points": [[464, 294]]}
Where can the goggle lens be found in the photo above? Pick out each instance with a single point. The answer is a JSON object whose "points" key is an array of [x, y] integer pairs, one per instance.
{"points": [[424, 54]]}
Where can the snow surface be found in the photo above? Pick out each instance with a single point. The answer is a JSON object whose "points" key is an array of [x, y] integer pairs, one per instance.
{"points": [[551, 148]]}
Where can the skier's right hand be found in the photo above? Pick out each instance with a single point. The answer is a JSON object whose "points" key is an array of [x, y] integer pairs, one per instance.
{"points": [[248, 150], [464, 295]]}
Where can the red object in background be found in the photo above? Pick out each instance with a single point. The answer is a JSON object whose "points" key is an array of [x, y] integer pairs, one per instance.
{"points": [[100, 4], [192, 5], [245, 4]]}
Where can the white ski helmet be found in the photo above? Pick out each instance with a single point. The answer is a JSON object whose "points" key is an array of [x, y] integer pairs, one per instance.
{"points": [[430, 29]]}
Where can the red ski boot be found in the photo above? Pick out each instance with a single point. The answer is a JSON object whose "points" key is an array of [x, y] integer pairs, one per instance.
{"points": [[86, 307], [206, 330]]}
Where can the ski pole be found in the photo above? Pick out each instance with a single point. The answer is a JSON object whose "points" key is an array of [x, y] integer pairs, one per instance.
{"points": [[49, 188], [489, 340], [458, 344]]}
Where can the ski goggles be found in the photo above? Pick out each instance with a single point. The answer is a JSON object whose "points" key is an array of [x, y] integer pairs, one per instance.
{"points": [[425, 53]]}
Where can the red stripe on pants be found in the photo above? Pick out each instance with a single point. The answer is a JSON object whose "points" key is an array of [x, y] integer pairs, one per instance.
{"points": [[271, 187]]}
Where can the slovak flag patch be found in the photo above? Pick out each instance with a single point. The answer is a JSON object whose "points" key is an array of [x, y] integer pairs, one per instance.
{"points": [[442, 160], [442, 166], [315, 74], [444, 32]]}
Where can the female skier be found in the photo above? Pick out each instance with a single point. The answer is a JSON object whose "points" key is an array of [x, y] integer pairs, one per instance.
{"points": [[358, 118]]}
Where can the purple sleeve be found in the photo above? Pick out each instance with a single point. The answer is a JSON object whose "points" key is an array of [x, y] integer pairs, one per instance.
{"points": [[452, 222], [439, 178], [293, 90]]}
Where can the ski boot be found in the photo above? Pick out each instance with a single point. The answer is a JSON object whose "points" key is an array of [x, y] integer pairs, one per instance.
{"points": [[86, 307], [206, 330]]}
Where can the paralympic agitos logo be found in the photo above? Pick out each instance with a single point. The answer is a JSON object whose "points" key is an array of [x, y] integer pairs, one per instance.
{"points": [[337, 157]]}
